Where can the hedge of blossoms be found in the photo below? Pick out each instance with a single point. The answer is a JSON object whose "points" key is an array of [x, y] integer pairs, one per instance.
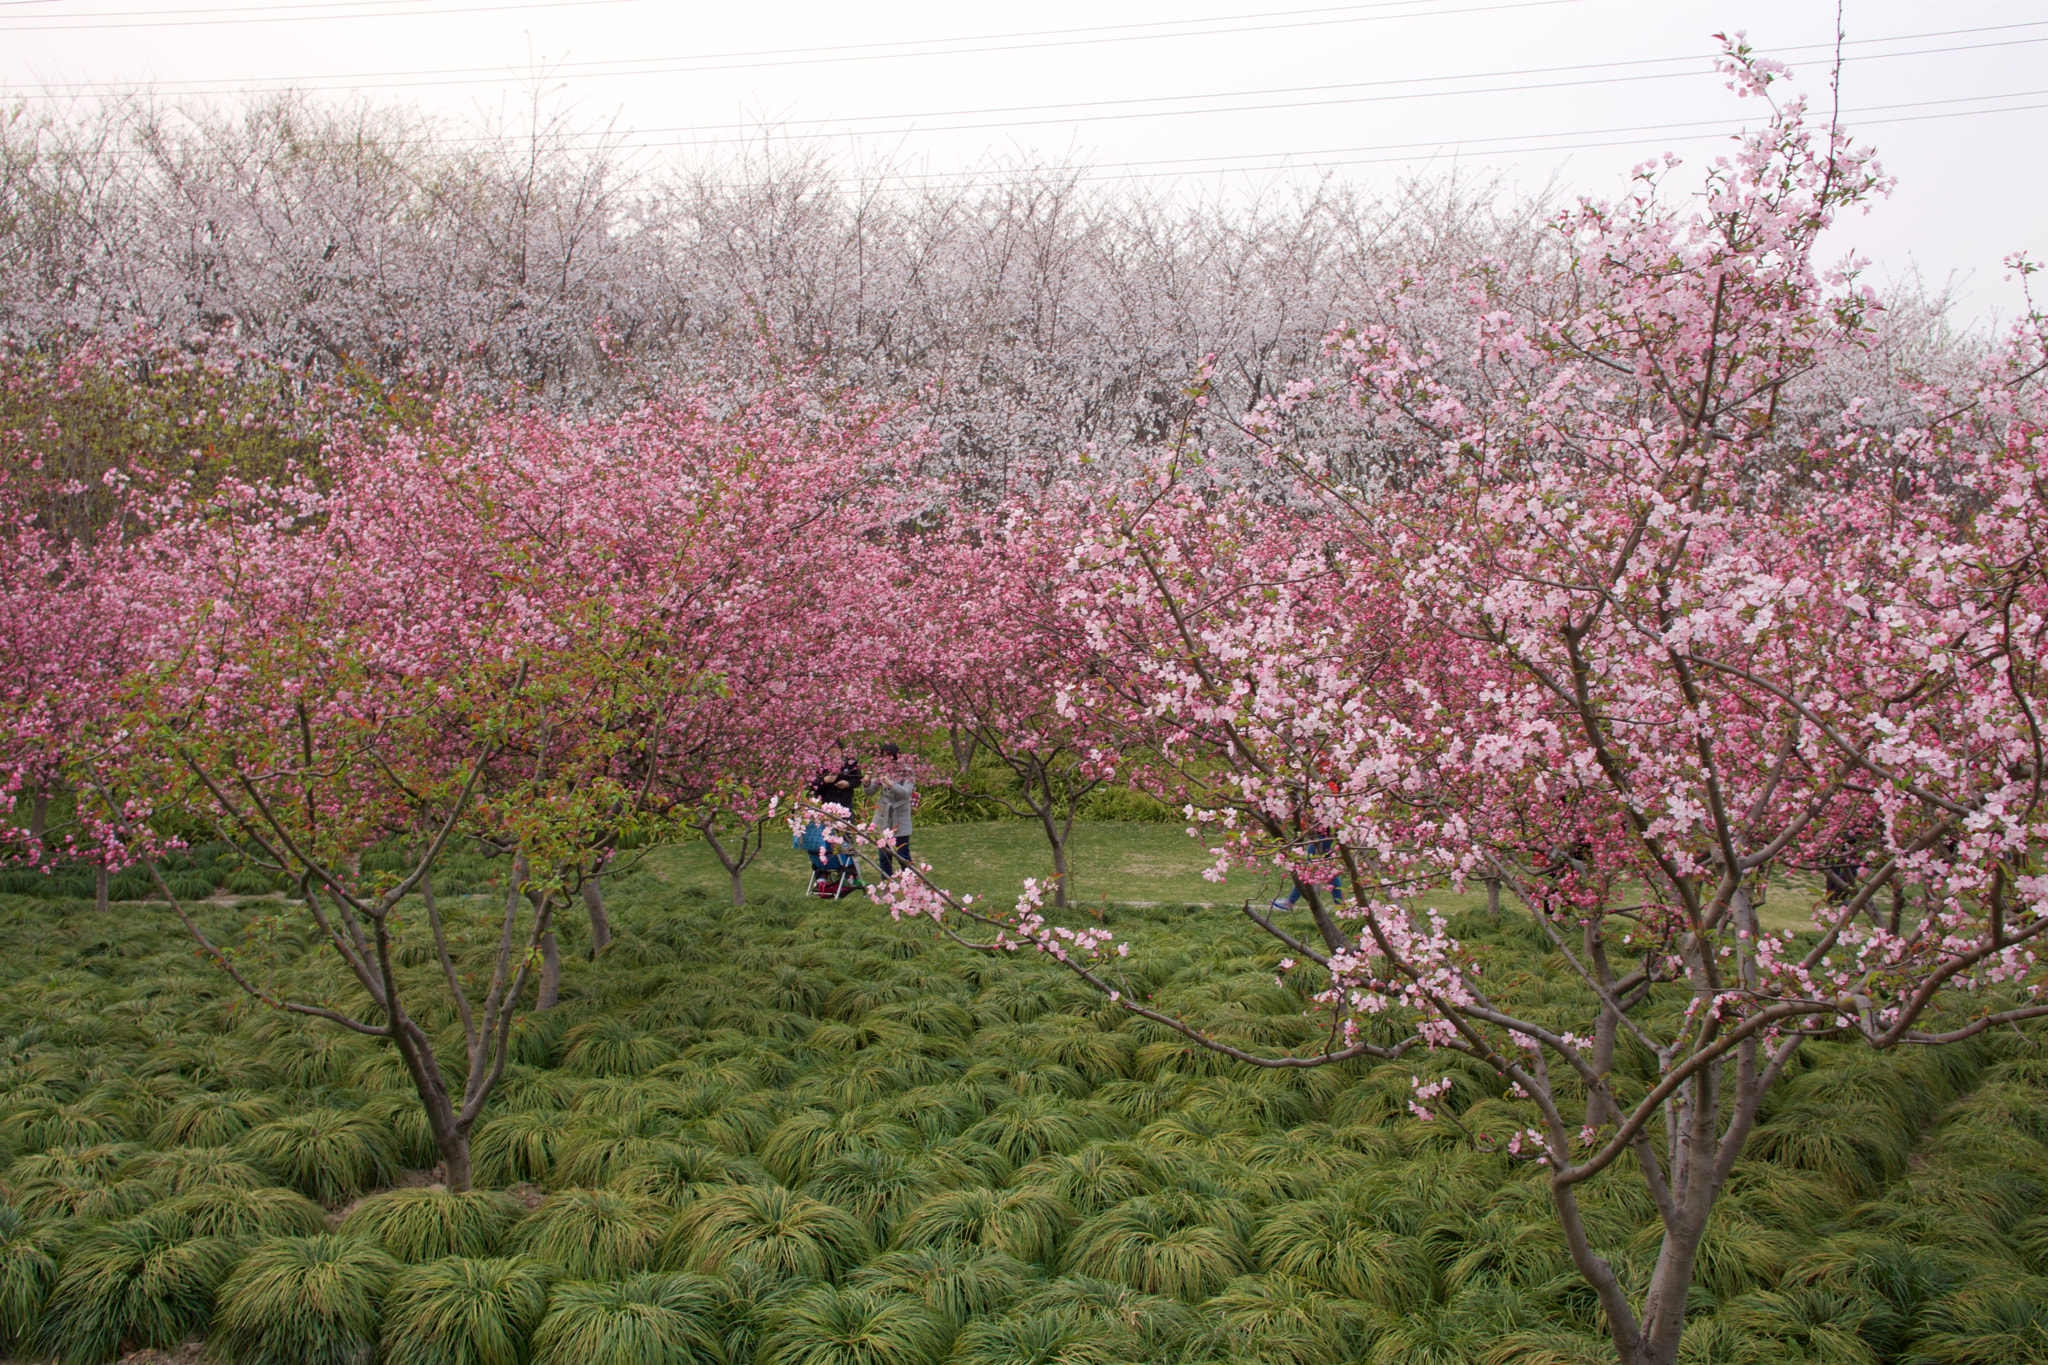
{"points": [[1620, 641]]}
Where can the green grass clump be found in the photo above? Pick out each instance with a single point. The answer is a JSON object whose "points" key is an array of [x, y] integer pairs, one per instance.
{"points": [[772, 1227], [1049, 1336], [593, 1234], [28, 1270], [850, 1326], [464, 1311], [611, 1046], [1147, 1245], [428, 1224], [331, 1155], [1025, 1222], [132, 1282], [524, 1146], [646, 1319], [231, 1211], [214, 1120], [183, 1169], [958, 1284], [303, 1301]]}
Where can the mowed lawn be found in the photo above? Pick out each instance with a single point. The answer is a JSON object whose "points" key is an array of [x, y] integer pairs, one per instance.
{"points": [[1114, 861]]}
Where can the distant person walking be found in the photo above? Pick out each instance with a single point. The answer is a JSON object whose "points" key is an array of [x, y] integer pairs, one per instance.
{"points": [[895, 802], [1317, 843]]}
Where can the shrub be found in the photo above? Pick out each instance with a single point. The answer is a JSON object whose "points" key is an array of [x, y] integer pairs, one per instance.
{"points": [[428, 1224], [303, 1301], [133, 1281], [647, 1319], [776, 1229], [327, 1154], [463, 1311], [593, 1234], [830, 1326]]}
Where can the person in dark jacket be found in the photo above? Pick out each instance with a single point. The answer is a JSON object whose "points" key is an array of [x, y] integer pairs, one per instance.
{"points": [[840, 787]]}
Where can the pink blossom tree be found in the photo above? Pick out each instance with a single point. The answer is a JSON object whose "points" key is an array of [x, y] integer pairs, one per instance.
{"points": [[490, 630], [1627, 644]]}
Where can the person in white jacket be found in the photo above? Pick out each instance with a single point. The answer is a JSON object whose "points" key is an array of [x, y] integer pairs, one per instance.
{"points": [[895, 793]]}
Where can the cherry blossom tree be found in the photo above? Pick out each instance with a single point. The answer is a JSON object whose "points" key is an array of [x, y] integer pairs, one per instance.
{"points": [[1631, 646], [494, 629]]}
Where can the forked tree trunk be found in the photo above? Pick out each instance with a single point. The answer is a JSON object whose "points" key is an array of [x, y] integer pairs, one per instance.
{"points": [[733, 863], [549, 988]]}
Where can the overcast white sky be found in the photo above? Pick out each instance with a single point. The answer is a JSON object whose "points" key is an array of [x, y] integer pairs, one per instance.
{"points": [[1226, 97]]}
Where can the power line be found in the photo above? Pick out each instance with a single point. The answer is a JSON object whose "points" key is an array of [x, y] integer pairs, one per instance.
{"points": [[640, 138], [1714, 127], [218, 10], [1289, 160], [1689, 57], [1263, 108], [362, 81], [1461, 150], [233, 11], [33, 27], [861, 52]]}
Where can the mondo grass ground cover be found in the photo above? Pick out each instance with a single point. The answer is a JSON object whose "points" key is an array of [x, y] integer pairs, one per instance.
{"points": [[796, 1132]]}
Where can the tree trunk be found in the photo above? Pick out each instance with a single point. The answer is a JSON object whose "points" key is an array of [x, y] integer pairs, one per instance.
{"points": [[733, 866], [455, 1169], [1059, 869], [1493, 897], [99, 888], [38, 815], [550, 972], [600, 924]]}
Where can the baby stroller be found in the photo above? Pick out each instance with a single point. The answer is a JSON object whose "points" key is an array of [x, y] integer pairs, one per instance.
{"points": [[833, 873]]}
